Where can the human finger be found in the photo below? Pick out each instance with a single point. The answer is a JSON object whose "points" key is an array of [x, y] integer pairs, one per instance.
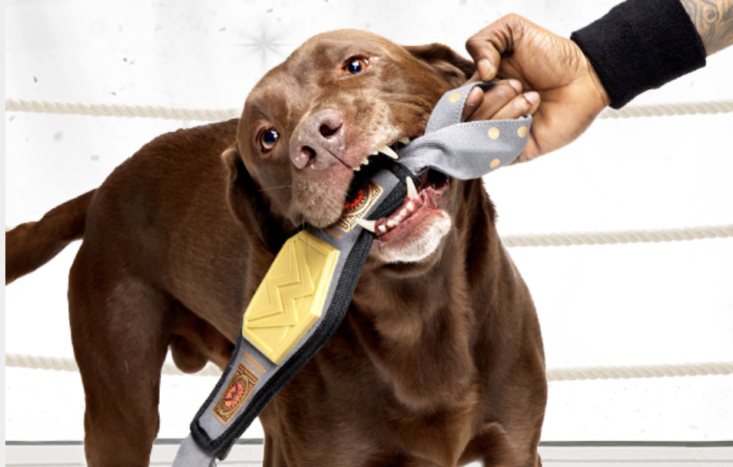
{"points": [[494, 100], [473, 100], [487, 45], [523, 104]]}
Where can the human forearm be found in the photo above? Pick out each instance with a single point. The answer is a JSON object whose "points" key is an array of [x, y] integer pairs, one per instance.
{"points": [[713, 20]]}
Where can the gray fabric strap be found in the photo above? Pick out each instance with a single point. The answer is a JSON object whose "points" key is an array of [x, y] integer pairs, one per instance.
{"points": [[465, 150], [191, 455]]}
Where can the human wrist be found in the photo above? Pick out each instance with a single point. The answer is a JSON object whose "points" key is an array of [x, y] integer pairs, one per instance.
{"points": [[605, 99], [640, 45]]}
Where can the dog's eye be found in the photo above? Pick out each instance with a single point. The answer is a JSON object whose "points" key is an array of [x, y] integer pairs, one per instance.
{"points": [[354, 66], [268, 139]]}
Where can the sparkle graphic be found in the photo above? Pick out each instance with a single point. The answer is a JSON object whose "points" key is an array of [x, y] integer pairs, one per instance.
{"points": [[264, 45]]}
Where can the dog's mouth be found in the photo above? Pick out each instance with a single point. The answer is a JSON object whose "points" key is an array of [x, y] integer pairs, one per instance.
{"points": [[413, 231], [387, 150], [421, 202]]}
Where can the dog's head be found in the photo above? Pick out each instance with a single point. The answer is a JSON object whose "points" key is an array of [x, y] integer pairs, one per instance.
{"points": [[329, 109]]}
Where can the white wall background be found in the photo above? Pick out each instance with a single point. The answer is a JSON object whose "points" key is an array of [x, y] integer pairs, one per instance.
{"points": [[601, 305]]}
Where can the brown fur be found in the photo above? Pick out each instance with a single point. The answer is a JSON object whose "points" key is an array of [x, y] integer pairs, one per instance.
{"points": [[437, 363]]}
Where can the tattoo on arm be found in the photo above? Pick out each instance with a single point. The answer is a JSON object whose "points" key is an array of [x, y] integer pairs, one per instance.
{"points": [[714, 22]]}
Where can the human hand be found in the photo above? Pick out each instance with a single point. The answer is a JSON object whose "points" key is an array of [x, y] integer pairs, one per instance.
{"points": [[503, 101], [552, 66]]}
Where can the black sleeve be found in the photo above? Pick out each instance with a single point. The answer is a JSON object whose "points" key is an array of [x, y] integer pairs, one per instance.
{"points": [[641, 45]]}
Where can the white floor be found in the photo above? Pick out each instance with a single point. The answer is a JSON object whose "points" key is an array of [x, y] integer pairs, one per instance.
{"points": [[68, 454]]}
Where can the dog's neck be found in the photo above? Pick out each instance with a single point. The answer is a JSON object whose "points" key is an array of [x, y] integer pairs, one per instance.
{"points": [[420, 330]]}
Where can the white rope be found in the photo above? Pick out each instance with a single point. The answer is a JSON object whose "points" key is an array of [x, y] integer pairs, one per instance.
{"points": [[183, 113], [619, 236], [669, 109], [612, 237], [120, 110], [38, 362], [639, 371]]}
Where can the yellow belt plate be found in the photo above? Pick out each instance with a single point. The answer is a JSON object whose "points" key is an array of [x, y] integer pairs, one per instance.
{"points": [[290, 298]]}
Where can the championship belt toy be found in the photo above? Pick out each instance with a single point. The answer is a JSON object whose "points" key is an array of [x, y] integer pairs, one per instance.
{"points": [[305, 294]]}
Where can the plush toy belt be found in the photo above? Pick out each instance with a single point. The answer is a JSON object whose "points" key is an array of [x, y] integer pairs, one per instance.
{"points": [[307, 290]]}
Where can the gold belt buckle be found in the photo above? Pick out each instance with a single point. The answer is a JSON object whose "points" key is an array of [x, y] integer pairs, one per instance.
{"points": [[290, 299]]}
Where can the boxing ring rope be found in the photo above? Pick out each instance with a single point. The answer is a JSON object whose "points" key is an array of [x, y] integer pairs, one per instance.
{"points": [[553, 239], [669, 109], [41, 362], [208, 115], [612, 237], [38, 362], [553, 374]]}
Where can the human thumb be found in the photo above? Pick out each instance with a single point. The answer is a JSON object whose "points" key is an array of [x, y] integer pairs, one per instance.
{"points": [[487, 45]]}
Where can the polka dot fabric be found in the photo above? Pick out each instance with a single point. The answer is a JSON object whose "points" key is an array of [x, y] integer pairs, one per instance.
{"points": [[465, 150]]}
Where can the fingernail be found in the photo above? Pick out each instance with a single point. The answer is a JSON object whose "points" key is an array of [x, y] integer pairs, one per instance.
{"points": [[532, 97], [485, 70], [516, 85], [474, 97]]}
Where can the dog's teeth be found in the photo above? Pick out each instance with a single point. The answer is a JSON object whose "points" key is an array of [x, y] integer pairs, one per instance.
{"points": [[356, 169], [365, 162], [410, 206], [382, 229], [368, 225], [411, 190], [403, 213], [376, 151], [388, 151], [404, 140], [391, 223]]}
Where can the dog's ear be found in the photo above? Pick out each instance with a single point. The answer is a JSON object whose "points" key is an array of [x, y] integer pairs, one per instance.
{"points": [[452, 66], [246, 203]]}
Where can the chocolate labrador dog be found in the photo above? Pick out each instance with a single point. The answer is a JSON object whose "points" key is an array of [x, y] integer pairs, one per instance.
{"points": [[439, 361]]}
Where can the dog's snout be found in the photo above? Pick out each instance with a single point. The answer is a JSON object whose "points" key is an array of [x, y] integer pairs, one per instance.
{"points": [[319, 140], [331, 122]]}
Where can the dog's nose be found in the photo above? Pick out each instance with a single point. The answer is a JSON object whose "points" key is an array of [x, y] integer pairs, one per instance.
{"points": [[319, 140]]}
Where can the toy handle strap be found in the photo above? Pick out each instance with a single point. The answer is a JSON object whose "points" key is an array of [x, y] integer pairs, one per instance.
{"points": [[465, 150]]}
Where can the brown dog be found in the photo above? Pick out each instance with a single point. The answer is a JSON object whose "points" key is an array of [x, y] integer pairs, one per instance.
{"points": [[439, 361]]}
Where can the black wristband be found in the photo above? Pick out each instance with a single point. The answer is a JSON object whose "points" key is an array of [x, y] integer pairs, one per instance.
{"points": [[641, 45]]}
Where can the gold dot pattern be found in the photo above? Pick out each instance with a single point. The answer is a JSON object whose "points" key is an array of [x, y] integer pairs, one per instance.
{"points": [[493, 132], [454, 97], [495, 163], [522, 131]]}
